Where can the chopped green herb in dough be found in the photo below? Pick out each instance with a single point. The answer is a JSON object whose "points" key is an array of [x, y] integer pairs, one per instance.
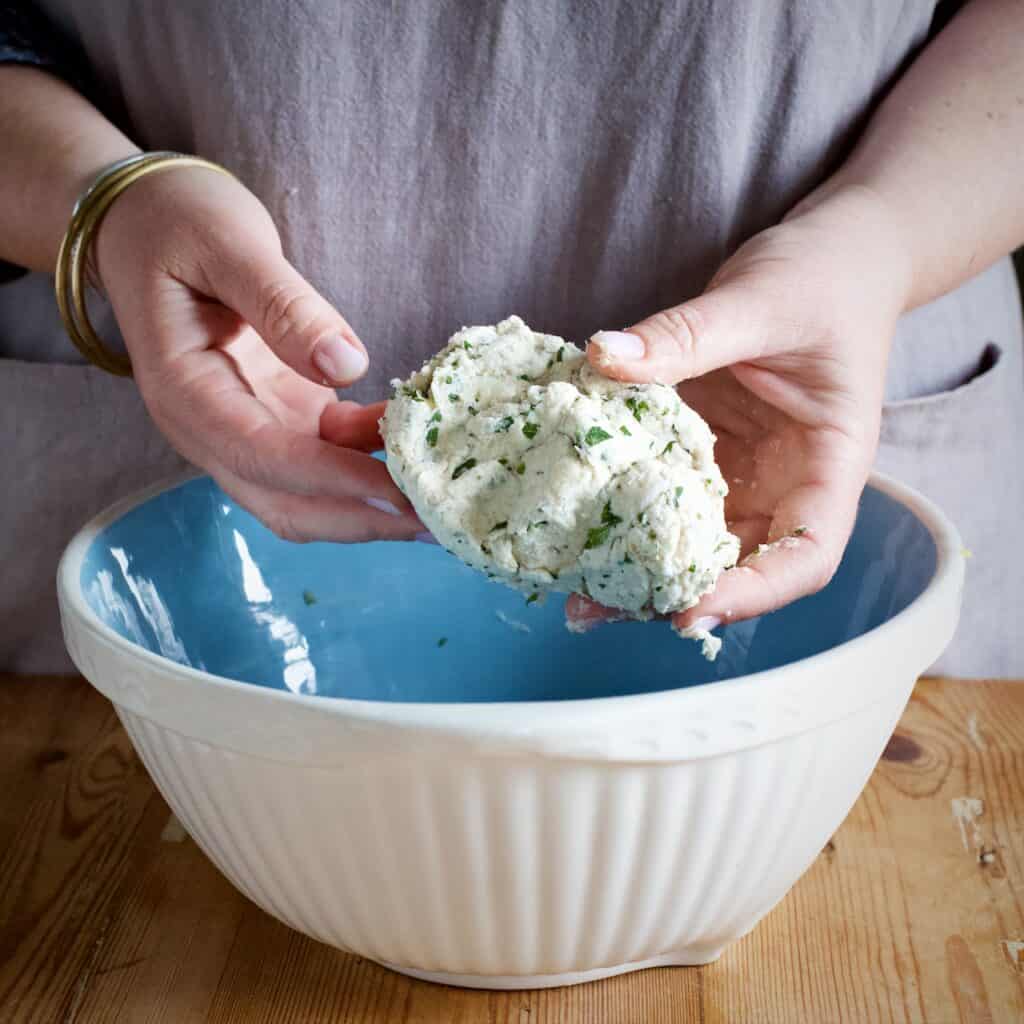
{"points": [[637, 407], [608, 517]]}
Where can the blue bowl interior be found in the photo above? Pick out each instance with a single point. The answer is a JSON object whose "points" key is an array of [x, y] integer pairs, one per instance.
{"points": [[193, 577]]}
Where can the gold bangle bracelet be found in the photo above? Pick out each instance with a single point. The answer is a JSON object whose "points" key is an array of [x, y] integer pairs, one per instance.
{"points": [[72, 259]]}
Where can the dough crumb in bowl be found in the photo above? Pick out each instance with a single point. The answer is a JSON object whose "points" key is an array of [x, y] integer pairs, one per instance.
{"points": [[533, 468]]}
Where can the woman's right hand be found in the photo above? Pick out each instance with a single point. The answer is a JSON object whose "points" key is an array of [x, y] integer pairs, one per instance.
{"points": [[237, 357], [785, 357]]}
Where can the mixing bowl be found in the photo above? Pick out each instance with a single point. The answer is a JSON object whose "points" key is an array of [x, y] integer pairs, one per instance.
{"points": [[396, 757]]}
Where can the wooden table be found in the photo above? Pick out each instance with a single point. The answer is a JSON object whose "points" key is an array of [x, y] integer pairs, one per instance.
{"points": [[914, 912]]}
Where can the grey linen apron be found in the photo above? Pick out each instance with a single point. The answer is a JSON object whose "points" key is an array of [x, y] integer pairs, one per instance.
{"points": [[582, 165]]}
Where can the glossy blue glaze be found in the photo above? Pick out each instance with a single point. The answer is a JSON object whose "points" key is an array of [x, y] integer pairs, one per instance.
{"points": [[190, 575]]}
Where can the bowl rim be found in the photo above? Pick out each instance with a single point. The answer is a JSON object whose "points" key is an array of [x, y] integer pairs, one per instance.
{"points": [[946, 578]]}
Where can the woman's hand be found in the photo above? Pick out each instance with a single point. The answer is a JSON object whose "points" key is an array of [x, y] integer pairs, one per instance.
{"points": [[237, 356], [784, 355]]}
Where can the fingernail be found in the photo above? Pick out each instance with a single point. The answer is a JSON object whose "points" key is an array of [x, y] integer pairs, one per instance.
{"points": [[619, 345], [708, 622], [426, 538], [382, 505], [339, 361]]}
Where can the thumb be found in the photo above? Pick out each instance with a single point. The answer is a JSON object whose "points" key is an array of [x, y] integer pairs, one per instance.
{"points": [[292, 317], [728, 324]]}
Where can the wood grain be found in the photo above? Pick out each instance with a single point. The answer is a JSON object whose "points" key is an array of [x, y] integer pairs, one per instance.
{"points": [[108, 915]]}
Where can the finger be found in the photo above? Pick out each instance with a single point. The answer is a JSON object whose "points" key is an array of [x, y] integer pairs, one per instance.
{"points": [[805, 545], [299, 518], [214, 412], [299, 324], [751, 532], [582, 614], [351, 425], [275, 457], [730, 323]]}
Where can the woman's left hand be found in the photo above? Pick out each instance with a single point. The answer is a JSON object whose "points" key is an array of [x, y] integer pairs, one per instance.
{"points": [[784, 355], [237, 358]]}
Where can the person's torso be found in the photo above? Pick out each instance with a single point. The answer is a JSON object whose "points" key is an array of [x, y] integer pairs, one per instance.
{"points": [[434, 165], [581, 165]]}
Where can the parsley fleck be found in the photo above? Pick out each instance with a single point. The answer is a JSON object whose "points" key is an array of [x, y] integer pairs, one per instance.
{"points": [[432, 437], [595, 435], [521, 468], [454, 398], [436, 418], [308, 597], [799, 531], [668, 447], [416, 396], [462, 467], [679, 492], [637, 408], [559, 356], [627, 560], [693, 567], [471, 410], [523, 376], [499, 526], [626, 431], [608, 517], [442, 641], [448, 379], [534, 526], [533, 597], [503, 424], [597, 536], [530, 430], [466, 345]]}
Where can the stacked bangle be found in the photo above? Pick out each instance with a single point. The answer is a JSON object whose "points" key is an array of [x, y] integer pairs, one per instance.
{"points": [[72, 259]]}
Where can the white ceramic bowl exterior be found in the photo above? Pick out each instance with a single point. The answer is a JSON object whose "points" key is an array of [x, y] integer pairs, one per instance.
{"points": [[524, 845]]}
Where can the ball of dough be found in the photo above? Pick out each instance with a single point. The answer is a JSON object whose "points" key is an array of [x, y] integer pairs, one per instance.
{"points": [[534, 469]]}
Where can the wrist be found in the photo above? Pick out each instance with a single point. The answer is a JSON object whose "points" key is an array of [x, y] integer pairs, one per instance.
{"points": [[85, 162], [867, 233], [55, 142]]}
